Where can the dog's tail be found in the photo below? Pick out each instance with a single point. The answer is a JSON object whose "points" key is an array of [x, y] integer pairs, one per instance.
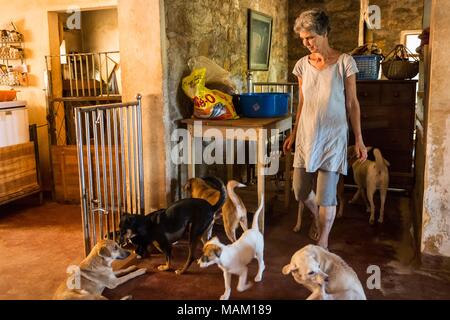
{"points": [[380, 162], [231, 193], [255, 224], [237, 202], [218, 184]]}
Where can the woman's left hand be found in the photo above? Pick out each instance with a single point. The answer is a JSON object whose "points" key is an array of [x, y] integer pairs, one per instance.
{"points": [[361, 151]]}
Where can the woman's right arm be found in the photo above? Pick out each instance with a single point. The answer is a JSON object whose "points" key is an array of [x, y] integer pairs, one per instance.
{"points": [[287, 146]]}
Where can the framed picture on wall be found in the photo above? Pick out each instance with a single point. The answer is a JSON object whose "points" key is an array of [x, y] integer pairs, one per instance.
{"points": [[259, 40], [3, 69]]}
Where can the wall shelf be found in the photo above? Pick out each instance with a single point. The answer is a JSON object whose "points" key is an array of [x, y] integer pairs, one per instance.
{"points": [[13, 70], [10, 42]]}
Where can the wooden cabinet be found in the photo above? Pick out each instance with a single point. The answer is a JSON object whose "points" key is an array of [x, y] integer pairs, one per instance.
{"points": [[388, 123]]}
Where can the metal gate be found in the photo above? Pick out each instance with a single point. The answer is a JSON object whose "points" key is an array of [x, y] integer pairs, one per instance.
{"points": [[110, 166]]}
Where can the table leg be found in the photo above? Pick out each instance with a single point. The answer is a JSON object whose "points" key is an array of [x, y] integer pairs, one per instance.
{"points": [[260, 150], [287, 179], [230, 174], [191, 152]]}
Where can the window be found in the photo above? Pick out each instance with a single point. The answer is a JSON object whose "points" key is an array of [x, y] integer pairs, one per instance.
{"points": [[410, 39]]}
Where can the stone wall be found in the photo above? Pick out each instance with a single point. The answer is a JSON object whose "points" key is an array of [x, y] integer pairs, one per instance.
{"points": [[344, 17], [216, 29], [396, 16]]}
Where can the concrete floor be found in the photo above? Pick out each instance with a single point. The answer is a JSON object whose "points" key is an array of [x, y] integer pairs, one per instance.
{"points": [[37, 243]]}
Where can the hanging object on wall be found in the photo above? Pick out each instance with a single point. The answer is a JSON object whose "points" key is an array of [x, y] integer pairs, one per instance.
{"points": [[13, 69], [259, 40]]}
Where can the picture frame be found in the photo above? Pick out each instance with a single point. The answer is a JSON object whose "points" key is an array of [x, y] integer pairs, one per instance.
{"points": [[259, 40], [3, 69]]}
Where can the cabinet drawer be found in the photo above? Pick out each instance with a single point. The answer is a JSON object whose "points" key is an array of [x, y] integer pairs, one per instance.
{"points": [[400, 161], [399, 117], [392, 139], [394, 94], [368, 94]]}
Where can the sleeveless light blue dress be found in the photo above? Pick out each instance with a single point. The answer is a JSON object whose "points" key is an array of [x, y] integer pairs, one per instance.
{"points": [[322, 134]]}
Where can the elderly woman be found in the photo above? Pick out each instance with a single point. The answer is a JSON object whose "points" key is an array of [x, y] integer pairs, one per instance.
{"points": [[327, 93]]}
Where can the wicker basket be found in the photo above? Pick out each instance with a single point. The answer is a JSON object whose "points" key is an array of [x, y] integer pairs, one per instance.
{"points": [[397, 65]]}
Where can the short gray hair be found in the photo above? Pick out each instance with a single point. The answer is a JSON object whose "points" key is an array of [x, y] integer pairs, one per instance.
{"points": [[315, 20]]}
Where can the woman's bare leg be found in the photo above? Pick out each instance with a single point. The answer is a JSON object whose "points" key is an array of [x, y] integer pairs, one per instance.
{"points": [[311, 203], [326, 219]]}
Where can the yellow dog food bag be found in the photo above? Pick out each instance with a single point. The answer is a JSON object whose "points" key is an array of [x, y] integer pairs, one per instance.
{"points": [[208, 104]]}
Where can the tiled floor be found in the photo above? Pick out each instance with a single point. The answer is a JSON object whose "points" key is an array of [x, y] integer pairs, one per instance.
{"points": [[37, 243]]}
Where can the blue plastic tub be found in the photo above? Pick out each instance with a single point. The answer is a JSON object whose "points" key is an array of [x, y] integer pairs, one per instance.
{"points": [[263, 105]]}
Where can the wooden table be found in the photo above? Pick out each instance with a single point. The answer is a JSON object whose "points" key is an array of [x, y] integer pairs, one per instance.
{"points": [[264, 129]]}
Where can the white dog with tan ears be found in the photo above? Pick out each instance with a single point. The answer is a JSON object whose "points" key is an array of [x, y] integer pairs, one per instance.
{"points": [[325, 274], [234, 258]]}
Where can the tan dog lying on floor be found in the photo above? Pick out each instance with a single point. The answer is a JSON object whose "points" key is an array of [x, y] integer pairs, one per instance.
{"points": [[96, 274], [234, 212], [370, 176], [234, 258], [325, 274]]}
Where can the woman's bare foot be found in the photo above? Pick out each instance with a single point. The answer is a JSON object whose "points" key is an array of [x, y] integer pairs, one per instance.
{"points": [[313, 232]]}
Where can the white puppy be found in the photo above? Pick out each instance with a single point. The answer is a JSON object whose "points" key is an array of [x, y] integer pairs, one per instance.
{"points": [[325, 274], [370, 176], [234, 258]]}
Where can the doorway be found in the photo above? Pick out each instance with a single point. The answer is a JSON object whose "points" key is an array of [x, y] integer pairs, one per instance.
{"points": [[83, 69]]}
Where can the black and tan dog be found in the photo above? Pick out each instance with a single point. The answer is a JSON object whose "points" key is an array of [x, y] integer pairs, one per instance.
{"points": [[166, 226]]}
